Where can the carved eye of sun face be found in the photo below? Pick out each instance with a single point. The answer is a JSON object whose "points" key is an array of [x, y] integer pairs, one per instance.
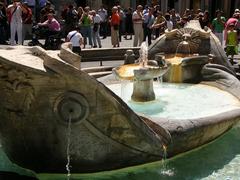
{"points": [[71, 105]]}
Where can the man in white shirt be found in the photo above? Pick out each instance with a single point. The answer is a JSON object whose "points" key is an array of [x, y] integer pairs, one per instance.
{"points": [[15, 17], [138, 26], [96, 26], [103, 26], [76, 39]]}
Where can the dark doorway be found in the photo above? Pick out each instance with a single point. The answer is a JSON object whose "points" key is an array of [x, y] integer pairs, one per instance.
{"points": [[232, 8], [171, 4], [141, 2], [82, 3]]}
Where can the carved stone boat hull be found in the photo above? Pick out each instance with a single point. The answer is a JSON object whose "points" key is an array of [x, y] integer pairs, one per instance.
{"points": [[40, 93]]}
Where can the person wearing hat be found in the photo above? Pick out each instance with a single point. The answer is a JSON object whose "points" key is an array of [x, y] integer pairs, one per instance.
{"points": [[236, 11]]}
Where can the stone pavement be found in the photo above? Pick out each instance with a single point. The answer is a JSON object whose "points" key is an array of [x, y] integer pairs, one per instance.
{"points": [[106, 43]]}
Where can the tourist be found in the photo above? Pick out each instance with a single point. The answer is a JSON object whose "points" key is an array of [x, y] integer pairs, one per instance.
{"points": [[27, 21], [115, 23], [169, 23], [204, 19], [237, 12], [103, 26], [138, 26], [175, 18], [218, 24], [76, 39], [182, 23], [15, 17], [45, 11], [96, 27], [231, 20], [231, 41], [128, 24], [31, 4], [122, 22], [86, 22], [53, 27], [3, 24], [148, 25], [145, 10], [159, 24], [80, 12], [70, 18]]}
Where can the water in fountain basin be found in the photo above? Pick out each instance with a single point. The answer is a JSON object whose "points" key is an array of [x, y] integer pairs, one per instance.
{"points": [[123, 87], [181, 101]]}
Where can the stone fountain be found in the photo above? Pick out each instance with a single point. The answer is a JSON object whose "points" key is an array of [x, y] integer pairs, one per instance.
{"points": [[142, 75], [43, 96]]}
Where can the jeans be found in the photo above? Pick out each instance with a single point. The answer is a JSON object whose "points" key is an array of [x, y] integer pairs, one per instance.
{"points": [[96, 38], [86, 32]]}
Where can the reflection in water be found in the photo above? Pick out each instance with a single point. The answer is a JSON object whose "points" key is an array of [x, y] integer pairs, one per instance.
{"points": [[218, 160]]}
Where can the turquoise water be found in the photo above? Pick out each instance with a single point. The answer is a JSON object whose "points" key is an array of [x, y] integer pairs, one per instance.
{"points": [[180, 101], [219, 160]]}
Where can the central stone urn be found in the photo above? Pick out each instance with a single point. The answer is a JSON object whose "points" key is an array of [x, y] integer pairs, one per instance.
{"points": [[142, 75]]}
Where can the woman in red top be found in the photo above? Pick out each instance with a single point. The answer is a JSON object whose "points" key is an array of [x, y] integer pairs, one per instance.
{"points": [[115, 22]]}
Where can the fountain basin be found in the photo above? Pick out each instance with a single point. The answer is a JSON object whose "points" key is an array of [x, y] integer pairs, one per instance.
{"points": [[194, 114], [137, 71], [40, 92]]}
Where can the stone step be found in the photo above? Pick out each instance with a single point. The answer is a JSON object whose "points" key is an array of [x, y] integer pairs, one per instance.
{"points": [[97, 69], [100, 74]]}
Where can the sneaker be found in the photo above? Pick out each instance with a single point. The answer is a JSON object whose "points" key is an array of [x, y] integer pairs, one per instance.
{"points": [[100, 46], [94, 46]]}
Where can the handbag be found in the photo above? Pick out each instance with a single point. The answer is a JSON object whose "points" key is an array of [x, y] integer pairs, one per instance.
{"points": [[95, 27]]}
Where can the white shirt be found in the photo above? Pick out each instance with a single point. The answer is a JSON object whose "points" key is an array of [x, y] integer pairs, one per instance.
{"points": [[17, 15], [97, 19], [75, 40], [103, 14], [169, 25], [136, 16]]}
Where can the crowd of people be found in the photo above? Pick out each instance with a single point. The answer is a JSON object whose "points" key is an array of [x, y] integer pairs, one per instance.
{"points": [[85, 26]]}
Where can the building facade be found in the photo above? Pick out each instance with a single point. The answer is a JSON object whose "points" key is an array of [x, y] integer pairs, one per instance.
{"points": [[227, 6]]}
